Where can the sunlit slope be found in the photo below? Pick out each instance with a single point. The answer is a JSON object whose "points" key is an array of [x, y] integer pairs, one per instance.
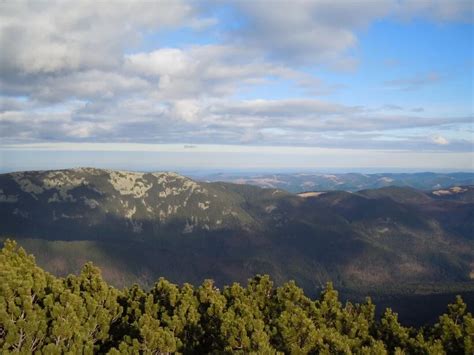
{"points": [[101, 204]]}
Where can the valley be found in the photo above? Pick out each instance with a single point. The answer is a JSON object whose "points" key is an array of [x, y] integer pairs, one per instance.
{"points": [[140, 226]]}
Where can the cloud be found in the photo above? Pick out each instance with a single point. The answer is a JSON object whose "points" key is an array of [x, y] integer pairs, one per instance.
{"points": [[281, 108], [77, 72], [440, 140], [211, 70], [324, 32], [299, 122], [166, 74], [415, 82], [52, 37], [392, 107], [436, 10], [305, 32], [162, 62], [75, 49]]}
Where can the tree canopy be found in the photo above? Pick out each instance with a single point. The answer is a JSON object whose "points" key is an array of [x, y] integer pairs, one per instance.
{"points": [[41, 313]]}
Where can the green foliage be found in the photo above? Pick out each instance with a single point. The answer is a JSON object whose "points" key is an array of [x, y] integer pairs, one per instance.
{"points": [[83, 314], [39, 311], [455, 329]]}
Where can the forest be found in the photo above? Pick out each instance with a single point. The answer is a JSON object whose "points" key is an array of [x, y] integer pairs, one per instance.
{"points": [[41, 313]]}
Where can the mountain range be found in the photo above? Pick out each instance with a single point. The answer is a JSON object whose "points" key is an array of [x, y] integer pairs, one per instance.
{"points": [[301, 182], [140, 226]]}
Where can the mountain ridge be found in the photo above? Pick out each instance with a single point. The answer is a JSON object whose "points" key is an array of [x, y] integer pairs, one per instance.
{"points": [[303, 182], [139, 226]]}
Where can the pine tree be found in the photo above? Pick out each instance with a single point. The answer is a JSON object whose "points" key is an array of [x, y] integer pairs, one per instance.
{"points": [[83, 314]]}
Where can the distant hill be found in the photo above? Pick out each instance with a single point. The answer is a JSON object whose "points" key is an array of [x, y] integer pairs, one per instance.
{"points": [[348, 182], [140, 226]]}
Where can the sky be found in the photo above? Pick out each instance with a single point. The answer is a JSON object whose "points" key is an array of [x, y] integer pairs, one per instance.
{"points": [[154, 85]]}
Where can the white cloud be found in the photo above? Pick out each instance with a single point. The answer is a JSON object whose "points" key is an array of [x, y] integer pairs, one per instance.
{"points": [[209, 71], [308, 31], [440, 140], [304, 32], [51, 37], [161, 62], [141, 118], [79, 79], [187, 110]]}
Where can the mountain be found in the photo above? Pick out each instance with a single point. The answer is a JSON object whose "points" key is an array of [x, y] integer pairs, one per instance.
{"points": [[301, 182], [140, 226], [103, 204]]}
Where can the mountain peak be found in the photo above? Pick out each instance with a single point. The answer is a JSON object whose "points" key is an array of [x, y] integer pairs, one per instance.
{"points": [[136, 202]]}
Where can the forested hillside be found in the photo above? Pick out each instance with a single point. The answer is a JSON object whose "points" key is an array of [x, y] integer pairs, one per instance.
{"points": [[83, 314], [139, 226], [399, 245]]}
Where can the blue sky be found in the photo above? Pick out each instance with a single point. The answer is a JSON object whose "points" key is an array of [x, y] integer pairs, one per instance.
{"points": [[239, 84]]}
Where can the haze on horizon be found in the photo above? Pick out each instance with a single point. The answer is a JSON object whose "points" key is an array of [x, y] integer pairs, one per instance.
{"points": [[237, 85]]}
